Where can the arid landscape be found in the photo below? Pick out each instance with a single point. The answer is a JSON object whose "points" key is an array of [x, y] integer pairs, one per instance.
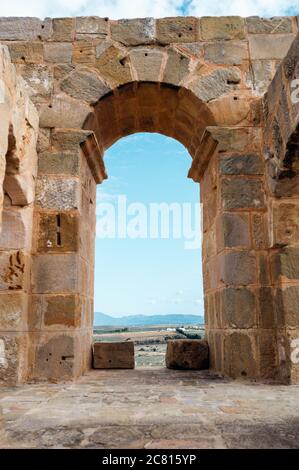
{"points": [[150, 341]]}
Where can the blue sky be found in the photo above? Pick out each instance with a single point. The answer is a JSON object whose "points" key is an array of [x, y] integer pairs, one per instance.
{"points": [[148, 276], [158, 8]]}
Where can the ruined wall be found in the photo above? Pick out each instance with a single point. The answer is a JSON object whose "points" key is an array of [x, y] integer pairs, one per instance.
{"points": [[281, 151], [18, 168], [198, 80]]}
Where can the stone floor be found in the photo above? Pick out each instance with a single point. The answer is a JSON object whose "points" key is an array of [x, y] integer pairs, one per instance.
{"points": [[149, 408]]}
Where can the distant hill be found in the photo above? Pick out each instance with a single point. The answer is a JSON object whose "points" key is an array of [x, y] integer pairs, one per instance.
{"points": [[100, 319]]}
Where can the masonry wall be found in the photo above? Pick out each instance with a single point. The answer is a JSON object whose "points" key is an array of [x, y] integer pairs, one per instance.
{"points": [[18, 162], [198, 80]]}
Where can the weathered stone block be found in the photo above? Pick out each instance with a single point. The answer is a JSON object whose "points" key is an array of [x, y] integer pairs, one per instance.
{"points": [[38, 77], [13, 358], [267, 344], [59, 163], [233, 230], [134, 32], [16, 229], [239, 355], [58, 232], [187, 354], [225, 27], [84, 86], [239, 308], [259, 231], [266, 309], [246, 164], [53, 273], [179, 29], [275, 25], [177, 67], [147, 64], [22, 29], [285, 264], [64, 112], [55, 358], [285, 224], [270, 46], [61, 310], [216, 83], [29, 52], [58, 52], [114, 355], [12, 270], [232, 53], [238, 268], [241, 193], [63, 29], [287, 301], [260, 74], [113, 64], [92, 25], [12, 311], [84, 52], [57, 193]]}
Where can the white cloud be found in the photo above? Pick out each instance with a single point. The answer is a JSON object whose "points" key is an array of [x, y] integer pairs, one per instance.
{"points": [[266, 8], [158, 8]]}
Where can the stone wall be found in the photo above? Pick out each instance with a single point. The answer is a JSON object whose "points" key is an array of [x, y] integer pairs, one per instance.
{"points": [[281, 150], [198, 80], [18, 168]]}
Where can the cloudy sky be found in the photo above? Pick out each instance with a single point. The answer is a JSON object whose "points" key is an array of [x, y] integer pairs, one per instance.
{"points": [[139, 8]]}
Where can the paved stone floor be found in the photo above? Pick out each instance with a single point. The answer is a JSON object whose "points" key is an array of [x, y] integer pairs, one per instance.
{"points": [[150, 408]]}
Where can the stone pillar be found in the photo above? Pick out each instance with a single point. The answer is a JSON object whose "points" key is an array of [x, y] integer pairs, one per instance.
{"points": [[61, 316], [238, 297]]}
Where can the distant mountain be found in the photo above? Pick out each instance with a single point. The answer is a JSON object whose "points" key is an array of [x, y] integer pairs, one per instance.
{"points": [[100, 319]]}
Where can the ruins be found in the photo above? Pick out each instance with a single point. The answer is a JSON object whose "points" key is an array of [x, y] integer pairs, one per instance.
{"points": [[227, 88]]}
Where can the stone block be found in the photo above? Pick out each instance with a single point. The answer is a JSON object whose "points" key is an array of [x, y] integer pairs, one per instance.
{"points": [[84, 52], [58, 232], [177, 67], [57, 193], [285, 264], [134, 32], [238, 164], [29, 52], [60, 52], [215, 83], [63, 310], [240, 355], [233, 230], [238, 268], [230, 53], [239, 308], [275, 25], [259, 231], [92, 25], [55, 357], [55, 273], [177, 30], [113, 64], [263, 46], [147, 63], [285, 223], [225, 27], [59, 163], [114, 355], [242, 193], [13, 358], [267, 345], [63, 29], [13, 311], [20, 29], [16, 229], [287, 301], [12, 270], [64, 112], [266, 310], [38, 77], [187, 354], [84, 86], [261, 74]]}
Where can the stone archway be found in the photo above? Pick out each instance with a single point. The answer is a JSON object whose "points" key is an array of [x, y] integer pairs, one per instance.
{"points": [[197, 80]]}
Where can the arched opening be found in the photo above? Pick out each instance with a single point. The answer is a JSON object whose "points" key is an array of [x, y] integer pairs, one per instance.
{"points": [[148, 269]]}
